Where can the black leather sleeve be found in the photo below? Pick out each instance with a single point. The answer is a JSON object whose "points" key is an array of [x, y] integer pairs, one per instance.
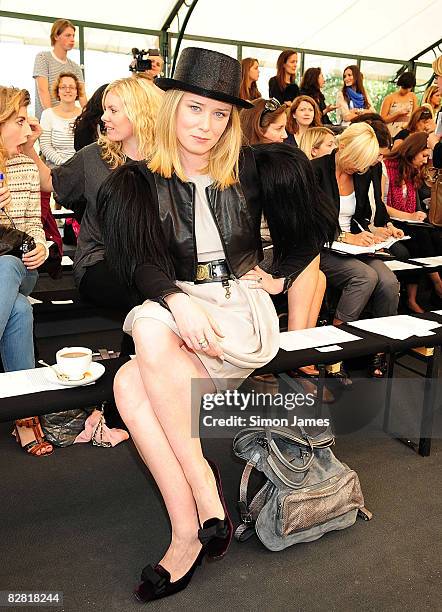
{"points": [[153, 284], [437, 155]]}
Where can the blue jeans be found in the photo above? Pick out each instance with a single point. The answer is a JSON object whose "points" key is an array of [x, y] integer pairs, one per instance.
{"points": [[16, 319]]}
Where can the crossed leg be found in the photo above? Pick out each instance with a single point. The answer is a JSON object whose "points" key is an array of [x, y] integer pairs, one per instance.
{"points": [[153, 396]]}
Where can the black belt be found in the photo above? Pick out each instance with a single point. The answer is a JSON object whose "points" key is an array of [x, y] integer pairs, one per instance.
{"points": [[212, 271]]}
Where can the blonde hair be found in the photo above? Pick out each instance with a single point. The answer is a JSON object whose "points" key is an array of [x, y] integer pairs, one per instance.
{"points": [[426, 99], [141, 103], [313, 139], [11, 100], [70, 75], [58, 27], [223, 158], [358, 146]]}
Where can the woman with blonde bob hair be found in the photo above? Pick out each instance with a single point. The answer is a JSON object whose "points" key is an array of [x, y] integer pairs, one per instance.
{"points": [[432, 99], [130, 107], [222, 163], [344, 177], [207, 316], [317, 141]]}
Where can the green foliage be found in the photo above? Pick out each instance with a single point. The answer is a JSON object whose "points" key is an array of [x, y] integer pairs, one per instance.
{"points": [[376, 89]]}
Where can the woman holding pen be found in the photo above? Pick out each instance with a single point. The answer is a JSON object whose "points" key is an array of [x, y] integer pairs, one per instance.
{"points": [[344, 176]]}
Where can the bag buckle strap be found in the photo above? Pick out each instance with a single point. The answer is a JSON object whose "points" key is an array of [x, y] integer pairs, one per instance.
{"points": [[246, 515]]}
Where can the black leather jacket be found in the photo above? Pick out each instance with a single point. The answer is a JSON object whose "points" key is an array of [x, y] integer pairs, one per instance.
{"points": [[237, 214]]}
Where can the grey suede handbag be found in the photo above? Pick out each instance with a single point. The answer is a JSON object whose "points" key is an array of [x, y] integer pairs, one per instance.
{"points": [[307, 491]]}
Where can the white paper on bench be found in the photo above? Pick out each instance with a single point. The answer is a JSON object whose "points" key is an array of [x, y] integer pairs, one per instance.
{"points": [[26, 381], [311, 338], [400, 265], [430, 261], [353, 249], [62, 211], [329, 349], [398, 327], [62, 301], [32, 300], [413, 221], [66, 261]]}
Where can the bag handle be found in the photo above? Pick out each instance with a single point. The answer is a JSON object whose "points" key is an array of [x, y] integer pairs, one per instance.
{"points": [[289, 483], [245, 530], [10, 218], [281, 457]]}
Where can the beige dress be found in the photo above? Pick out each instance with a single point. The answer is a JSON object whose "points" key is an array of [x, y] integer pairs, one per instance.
{"points": [[404, 107], [247, 319]]}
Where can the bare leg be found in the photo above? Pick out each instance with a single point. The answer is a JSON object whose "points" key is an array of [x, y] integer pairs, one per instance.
{"points": [[301, 296], [152, 444], [158, 444], [304, 302], [436, 280], [318, 297], [412, 298], [172, 404]]}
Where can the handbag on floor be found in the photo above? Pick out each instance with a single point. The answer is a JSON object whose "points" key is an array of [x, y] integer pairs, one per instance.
{"points": [[62, 428], [307, 491]]}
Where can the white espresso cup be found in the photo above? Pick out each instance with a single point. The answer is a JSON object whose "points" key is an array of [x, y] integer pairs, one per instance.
{"points": [[74, 361]]}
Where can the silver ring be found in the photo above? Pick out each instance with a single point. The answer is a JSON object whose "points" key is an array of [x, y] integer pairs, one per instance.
{"points": [[203, 343]]}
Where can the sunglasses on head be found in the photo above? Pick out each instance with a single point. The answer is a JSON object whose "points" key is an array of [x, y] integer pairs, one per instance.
{"points": [[426, 114], [270, 106]]}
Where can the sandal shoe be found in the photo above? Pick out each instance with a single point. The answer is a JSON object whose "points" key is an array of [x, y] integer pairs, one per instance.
{"points": [[215, 533], [38, 447], [342, 377], [156, 584], [310, 372], [378, 366]]}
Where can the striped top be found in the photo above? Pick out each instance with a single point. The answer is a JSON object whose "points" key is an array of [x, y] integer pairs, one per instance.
{"points": [[57, 139], [49, 66], [24, 184]]}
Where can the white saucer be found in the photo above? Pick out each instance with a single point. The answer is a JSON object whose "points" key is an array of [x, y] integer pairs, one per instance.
{"points": [[95, 371]]}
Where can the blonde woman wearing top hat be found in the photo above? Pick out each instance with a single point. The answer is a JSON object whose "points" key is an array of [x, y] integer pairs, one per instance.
{"points": [[207, 318]]}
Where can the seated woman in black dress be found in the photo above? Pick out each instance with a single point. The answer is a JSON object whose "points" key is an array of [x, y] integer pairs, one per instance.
{"points": [[265, 123]]}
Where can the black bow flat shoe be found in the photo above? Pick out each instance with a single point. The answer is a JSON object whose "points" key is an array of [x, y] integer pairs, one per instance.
{"points": [[216, 534], [156, 582]]}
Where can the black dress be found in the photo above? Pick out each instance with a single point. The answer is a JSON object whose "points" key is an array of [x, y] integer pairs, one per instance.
{"points": [[288, 94]]}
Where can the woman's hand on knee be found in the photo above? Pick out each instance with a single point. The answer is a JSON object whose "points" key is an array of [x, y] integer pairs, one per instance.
{"points": [[262, 280], [199, 331]]}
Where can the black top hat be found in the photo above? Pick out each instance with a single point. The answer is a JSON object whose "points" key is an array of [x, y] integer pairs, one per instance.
{"points": [[209, 74]]}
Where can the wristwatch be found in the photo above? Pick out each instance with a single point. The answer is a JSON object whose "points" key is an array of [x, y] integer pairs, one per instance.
{"points": [[341, 237]]}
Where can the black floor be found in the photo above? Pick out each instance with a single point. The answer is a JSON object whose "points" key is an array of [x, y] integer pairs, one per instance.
{"points": [[86, 520]]}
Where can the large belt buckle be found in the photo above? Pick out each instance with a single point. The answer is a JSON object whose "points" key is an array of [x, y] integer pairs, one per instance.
{"points": [[203, 272]]}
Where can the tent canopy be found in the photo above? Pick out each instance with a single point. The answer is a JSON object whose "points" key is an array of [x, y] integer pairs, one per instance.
{"points": [[391, 29]]}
